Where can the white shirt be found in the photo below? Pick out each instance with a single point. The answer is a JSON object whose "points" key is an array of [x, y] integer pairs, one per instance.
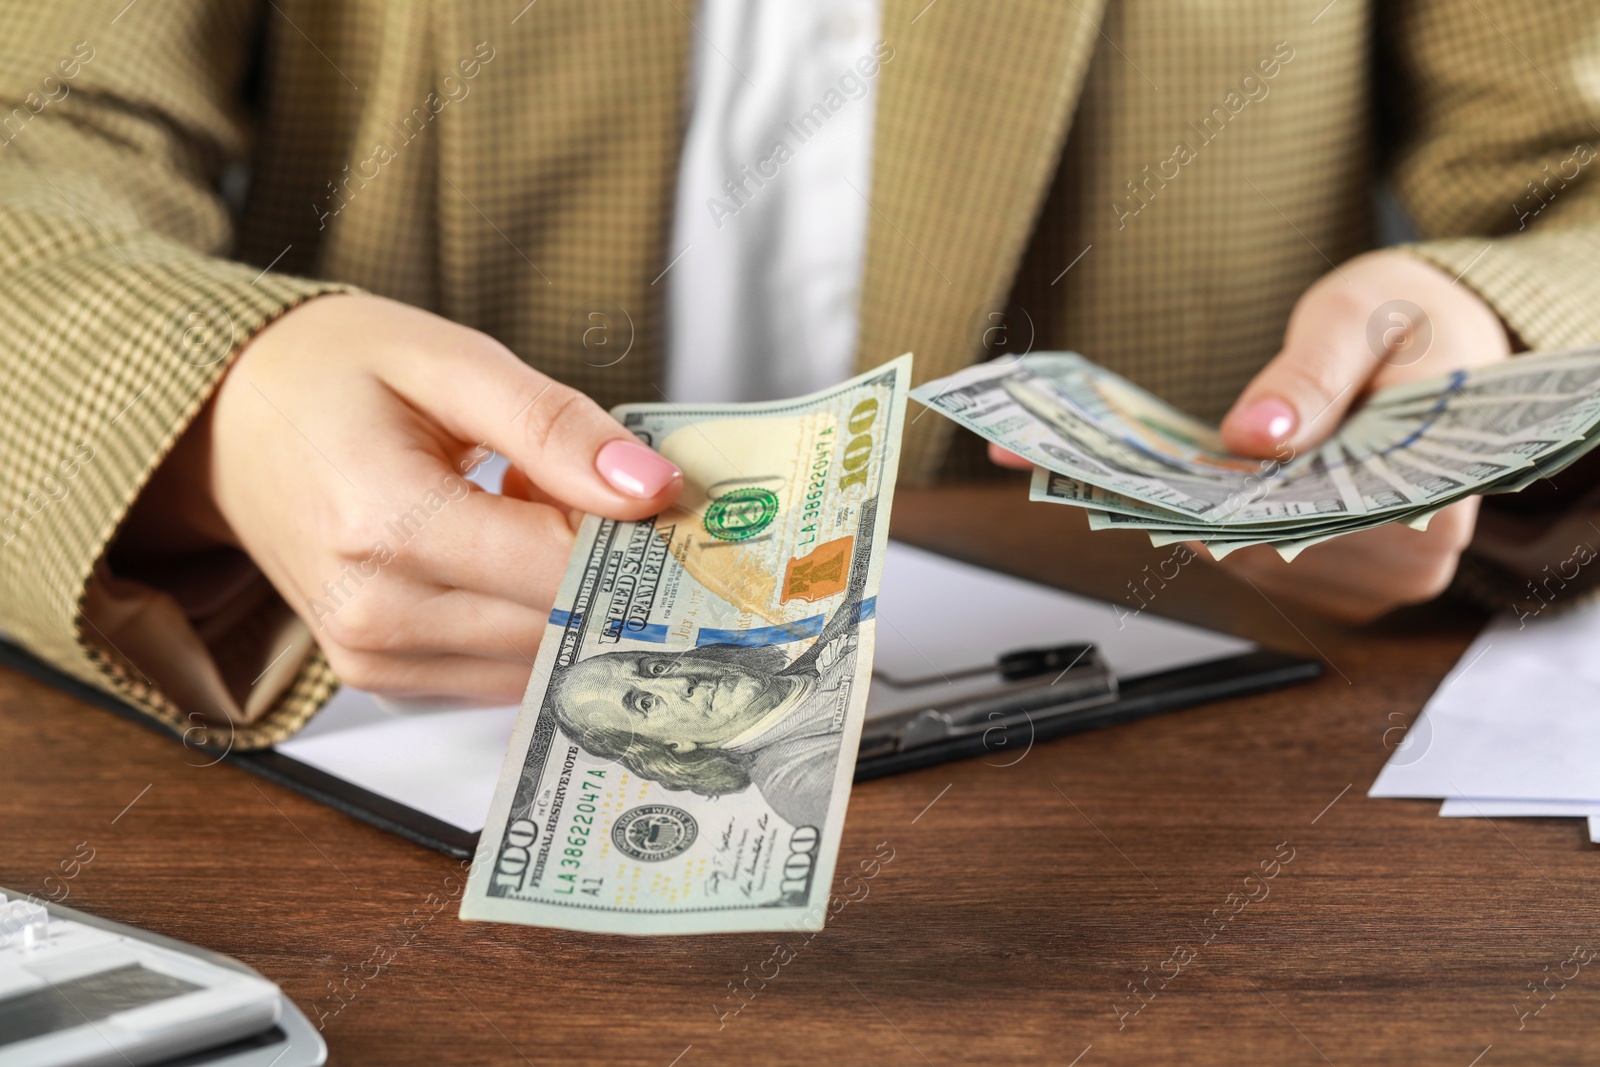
{"points": [[770, 223]]}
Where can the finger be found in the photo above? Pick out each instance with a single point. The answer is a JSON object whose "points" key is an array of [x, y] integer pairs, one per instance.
{"points": [[1004, 457], [1361, 576], [1320, 592], [466, 678], [1298, 399], [396, 616], [478, 391], [484, 543], [519, 486]]}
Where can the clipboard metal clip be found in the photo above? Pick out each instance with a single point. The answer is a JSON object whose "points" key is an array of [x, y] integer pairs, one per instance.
{"points": [[1022, 688]]}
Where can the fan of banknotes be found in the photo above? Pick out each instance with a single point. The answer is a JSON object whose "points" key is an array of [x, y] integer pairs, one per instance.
{"points": [[1101, 443]]}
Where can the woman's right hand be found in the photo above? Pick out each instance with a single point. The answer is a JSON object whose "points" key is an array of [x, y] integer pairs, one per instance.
{"points": [[332, 453]]}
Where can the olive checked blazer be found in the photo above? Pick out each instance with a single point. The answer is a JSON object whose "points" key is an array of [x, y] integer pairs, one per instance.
{"points": [[1152, 183]]}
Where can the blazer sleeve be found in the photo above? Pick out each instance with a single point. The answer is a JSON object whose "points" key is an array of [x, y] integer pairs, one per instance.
{"points": [[119, 309], [1499, 165]]}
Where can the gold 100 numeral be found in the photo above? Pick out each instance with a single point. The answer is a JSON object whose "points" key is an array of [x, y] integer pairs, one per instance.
{"points": [[859, 450]]}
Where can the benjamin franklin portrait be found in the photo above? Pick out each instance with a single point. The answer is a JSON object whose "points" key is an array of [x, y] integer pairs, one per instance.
{"points": [[719, 719]]}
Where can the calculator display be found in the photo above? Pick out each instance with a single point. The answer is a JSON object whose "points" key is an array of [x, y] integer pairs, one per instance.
{"points": [[88, 999]]}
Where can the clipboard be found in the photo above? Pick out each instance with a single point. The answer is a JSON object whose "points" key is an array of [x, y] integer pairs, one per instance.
{"points": [[970, 663], [1012, 718]]}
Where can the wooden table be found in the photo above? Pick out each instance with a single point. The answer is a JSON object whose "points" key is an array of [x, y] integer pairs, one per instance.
{"points": [[1022, 905]]}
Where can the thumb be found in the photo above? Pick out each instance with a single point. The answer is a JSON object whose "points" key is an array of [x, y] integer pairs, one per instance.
{"points": [[1298, 398], [1004, 457], [558, 438]]}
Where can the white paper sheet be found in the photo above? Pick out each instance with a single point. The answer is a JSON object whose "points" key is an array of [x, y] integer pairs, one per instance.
{"points": [[935, 610], [1517, 719], [443, 763], [1494, 808], [931, 611]]}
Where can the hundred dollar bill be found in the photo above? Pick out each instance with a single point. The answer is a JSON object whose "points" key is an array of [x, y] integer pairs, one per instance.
{"points": [[1133, 462], [684, 753], [1072, 417]]}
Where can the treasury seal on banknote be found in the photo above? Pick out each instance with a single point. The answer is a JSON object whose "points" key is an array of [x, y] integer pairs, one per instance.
{"points": [[654, 832], [741, 513]]}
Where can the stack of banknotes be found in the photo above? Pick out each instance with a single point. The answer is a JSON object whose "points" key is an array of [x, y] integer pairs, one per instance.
{"points": [[1101, 443]]}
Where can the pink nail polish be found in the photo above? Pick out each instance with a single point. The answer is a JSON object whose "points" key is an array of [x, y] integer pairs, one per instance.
{"points": [[1269, 418], [634, 469]]}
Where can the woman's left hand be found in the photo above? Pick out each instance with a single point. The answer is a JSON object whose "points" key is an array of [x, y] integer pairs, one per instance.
{"points": [[1382, 319]]}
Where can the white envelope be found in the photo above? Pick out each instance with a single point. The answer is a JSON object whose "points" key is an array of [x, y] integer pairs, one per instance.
{"points": [[1518, 718]]}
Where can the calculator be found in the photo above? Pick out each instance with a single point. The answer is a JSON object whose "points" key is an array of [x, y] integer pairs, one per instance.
{"points": [[81, 992]]}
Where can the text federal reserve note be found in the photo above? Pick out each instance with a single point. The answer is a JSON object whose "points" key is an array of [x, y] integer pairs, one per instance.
{"points": [[684, 753]]}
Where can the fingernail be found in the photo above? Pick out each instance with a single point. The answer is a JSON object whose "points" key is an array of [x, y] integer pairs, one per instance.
{"points": [[634, 469], [1268, 417]]}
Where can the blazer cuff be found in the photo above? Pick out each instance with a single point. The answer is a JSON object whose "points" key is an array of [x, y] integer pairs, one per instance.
{"points": [[1545, 285], [132, 347]]}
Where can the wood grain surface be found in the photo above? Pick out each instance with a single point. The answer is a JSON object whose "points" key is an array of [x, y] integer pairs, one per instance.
{"points": [[1022, 906]]}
